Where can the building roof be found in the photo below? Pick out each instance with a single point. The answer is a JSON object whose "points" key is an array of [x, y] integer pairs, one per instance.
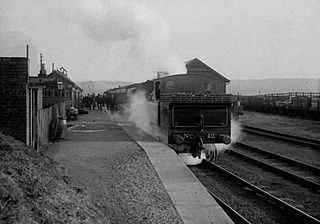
{"points": [[62, 76], [196, 65], [52, 79]]}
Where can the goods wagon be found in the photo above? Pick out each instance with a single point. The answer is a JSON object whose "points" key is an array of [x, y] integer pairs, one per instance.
{"points": [[292, 104]]}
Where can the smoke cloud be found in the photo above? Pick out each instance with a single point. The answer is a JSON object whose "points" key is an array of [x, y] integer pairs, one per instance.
{"points": [[94, 39], [144, 35], [140, 112], [236, 135], [236, 131]]}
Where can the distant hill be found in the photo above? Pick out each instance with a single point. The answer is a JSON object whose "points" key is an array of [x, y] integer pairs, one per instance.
{"points": [[263, 86], [244, 87], [100, 86]]}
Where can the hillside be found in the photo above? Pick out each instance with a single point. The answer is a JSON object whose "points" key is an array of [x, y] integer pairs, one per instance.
{"points": [[262, 86], [35, 189]]}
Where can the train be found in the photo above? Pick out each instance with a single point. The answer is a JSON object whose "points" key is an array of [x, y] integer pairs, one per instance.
{"points": [[301, 104], [191, 109]]}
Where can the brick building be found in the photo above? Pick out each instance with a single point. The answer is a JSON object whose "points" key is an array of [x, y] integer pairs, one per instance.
{"points": [[19, 101], [30, 106], [66, 90], [13, 96], [58, 88]]}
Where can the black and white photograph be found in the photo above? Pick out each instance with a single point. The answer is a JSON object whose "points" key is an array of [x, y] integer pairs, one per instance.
{"points": [[159, 112]]}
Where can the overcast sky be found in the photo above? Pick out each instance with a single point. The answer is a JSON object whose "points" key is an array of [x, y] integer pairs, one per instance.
{"points": [[129, 40]]}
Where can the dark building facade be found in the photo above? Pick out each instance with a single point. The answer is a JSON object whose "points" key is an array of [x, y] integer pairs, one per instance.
{"points": [[13, 96]]}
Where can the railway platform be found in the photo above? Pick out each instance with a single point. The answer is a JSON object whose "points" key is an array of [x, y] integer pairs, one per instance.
{"points": [[130, 175]]}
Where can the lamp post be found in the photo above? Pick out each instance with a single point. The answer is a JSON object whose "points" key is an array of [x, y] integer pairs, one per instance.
{"points": [[62, 127], [77, 98], [60, 87]]}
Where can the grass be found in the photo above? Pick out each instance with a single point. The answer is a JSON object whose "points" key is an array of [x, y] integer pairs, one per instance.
{"points": [[35, 189]]}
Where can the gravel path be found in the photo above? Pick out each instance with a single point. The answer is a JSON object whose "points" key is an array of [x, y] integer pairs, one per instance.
{"points": [[103, 159]]}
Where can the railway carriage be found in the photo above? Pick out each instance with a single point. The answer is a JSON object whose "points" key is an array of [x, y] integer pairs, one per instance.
{"points": [[192, 110]]}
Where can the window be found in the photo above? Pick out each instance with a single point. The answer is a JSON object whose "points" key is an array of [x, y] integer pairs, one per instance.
{"points": [[157, 90], [188, 116]]}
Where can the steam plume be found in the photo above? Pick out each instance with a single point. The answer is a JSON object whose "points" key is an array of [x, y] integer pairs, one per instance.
{"points": [[236, 131], [236, 135], [146, 36], [139, 112], [112, 40]]}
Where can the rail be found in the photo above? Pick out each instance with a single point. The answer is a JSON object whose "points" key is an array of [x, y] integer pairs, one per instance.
{"points": [[265, 195], [282, 158], [287, 174], [234, 215], [315, 143]]}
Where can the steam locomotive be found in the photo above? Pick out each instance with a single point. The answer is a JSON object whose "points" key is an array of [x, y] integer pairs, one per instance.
{"points": [[192, 110]]}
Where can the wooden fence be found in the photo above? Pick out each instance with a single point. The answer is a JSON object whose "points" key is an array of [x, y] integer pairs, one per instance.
{"points": [[47, 124]]}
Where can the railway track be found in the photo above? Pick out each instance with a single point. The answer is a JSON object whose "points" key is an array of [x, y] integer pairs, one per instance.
{"points": [[233, 214], [300, 216], [314, 143], [297, 171]]}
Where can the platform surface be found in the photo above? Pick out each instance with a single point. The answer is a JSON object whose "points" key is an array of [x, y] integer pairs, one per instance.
{"points": [[192, 201], [130, 175]]}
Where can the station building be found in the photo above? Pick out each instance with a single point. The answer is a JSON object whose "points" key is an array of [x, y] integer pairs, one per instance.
{"points": [[58, 87], [30, 106]]}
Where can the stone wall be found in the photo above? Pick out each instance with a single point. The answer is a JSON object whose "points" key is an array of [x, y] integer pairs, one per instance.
{"points": [[13, 108]]}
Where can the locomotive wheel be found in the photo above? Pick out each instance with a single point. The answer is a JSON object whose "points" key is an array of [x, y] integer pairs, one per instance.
{"points": [[211, 153]]}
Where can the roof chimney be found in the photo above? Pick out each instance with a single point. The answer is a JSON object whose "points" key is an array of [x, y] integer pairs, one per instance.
{"points": [[63, 71], [52, 66], [43, 71]]}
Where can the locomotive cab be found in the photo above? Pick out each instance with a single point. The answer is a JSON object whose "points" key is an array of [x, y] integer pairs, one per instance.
{"points": [[194, 109], [195, 121], [213, 121]]}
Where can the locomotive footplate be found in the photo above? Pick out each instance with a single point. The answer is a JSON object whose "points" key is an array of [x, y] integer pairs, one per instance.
{"points": [[197, 143], [208, 137]]}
